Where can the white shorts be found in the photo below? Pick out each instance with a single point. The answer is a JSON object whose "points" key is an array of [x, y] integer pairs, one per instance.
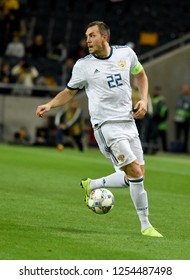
{"points": [[119, 142]]}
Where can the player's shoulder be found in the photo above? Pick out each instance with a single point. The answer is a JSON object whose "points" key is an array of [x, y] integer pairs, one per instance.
{"points": [[121, 48], [82, 62], [85, 58]]}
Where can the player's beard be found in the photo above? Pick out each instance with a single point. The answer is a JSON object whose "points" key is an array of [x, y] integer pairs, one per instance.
{"points": [[98, 50]]}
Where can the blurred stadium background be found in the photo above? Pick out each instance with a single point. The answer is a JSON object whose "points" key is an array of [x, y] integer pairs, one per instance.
{"points": [[158, 31]]}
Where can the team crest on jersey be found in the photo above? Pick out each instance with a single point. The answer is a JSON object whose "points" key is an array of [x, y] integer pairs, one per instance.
{"points": [[122, 64], [121, 158]]}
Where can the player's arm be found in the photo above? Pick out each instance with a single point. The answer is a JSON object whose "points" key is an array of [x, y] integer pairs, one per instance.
{"points": [[141, 81], [60, 99]]}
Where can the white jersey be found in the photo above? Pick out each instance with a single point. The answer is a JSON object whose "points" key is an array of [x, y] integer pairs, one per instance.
{"points": [[107, 84]]}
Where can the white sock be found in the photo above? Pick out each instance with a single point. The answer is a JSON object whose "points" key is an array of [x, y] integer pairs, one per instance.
{"points": [[115, 180], [140, 200]]}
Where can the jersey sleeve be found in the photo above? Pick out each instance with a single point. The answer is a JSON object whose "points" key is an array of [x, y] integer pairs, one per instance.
{"points": [[136, 69], [77, 80], [136, 66]]}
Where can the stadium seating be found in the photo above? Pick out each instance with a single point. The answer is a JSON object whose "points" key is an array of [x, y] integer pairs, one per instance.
{"points": [[65, 21]]}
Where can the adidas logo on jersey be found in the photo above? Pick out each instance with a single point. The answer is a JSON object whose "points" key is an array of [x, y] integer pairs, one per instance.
{"points": [[96, 71]]}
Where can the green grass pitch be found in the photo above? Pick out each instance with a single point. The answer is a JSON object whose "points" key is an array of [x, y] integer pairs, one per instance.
{"points": [[43, 216]]}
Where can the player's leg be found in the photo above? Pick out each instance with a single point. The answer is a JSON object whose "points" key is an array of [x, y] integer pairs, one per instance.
{"points": [[137, 192], [114, 180], [117, 179], [135, 174]]}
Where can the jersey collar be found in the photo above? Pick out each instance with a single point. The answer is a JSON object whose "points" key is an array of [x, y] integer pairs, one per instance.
{"points": [[103, 58]]}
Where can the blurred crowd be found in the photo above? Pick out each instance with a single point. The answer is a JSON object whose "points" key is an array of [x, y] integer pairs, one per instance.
{"points": [[26, 63], [153, 128]]}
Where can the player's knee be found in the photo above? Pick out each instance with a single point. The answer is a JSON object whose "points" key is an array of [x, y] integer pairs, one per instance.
{"points": [[133, 170]]}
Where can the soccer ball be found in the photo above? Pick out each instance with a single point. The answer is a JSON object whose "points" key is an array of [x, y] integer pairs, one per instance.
{"points": [[101, 201]]}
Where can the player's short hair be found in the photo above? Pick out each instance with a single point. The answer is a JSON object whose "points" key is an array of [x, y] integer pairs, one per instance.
{"points": [[103, 27]]}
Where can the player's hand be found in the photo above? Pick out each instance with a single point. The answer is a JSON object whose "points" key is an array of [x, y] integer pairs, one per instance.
{"points": [[140, 109], [42, 109]]}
